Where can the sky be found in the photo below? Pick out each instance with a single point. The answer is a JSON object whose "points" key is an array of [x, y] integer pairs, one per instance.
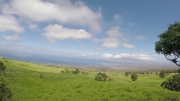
{"points": [[92, 32]]}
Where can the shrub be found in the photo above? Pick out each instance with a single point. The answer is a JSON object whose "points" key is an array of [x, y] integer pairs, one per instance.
{"points": [[5, 92], [134, 77], [162, 74], [178, 71], [62, 71], [172, 83], [101, 76], [41, 75], [127, 73], [67, 71], [76, 71]]}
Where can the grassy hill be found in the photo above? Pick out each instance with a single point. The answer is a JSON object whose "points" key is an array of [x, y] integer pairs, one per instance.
{"points": [[35, 82]]}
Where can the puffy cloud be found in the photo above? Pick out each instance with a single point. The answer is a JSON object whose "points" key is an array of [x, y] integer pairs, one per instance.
{"points": [[107, 55], [134, 56], [9, 23], [15, 37], [58, 32], [127, 45], [112, 41], [117, 18], [62, 11], [96, 48], [115, 38], [33, 26]]}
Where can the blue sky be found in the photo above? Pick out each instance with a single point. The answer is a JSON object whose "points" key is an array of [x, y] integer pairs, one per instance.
{"points": [[97, 30]]}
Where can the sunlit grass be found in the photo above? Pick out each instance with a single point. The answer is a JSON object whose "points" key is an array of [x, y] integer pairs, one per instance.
{"points": [[33, 82]]}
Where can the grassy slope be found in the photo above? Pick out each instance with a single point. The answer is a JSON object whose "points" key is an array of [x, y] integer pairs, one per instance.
{"points": [[26, 85]]}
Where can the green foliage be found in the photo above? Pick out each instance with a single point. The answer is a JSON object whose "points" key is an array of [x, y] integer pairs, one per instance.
{"points": [[172, 83], [62, 71], [101, 76], [67, 71], [2, 69], [26, 85], [178, 71], [134, 77], [5, 92], [127, 73], [76, 71], [169, 43], [162, 74], [41, 76]]}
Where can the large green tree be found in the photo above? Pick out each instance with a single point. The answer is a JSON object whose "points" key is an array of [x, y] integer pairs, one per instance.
{"points": [[169, 43]]}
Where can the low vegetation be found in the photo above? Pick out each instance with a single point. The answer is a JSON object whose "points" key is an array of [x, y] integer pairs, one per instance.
{"points": [[5, 92], [172, 83], [35, 82]]}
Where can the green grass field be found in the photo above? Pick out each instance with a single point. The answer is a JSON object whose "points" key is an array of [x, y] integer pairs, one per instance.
{"points": [[26, 84]]}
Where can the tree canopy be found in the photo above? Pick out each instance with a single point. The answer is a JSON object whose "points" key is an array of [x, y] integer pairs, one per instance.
{"points": [[169, 43], [101, 76], [172, 83]]}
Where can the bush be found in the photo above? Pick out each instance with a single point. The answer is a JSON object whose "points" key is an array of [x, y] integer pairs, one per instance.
{"points": [[76, 71], [5, 92], [67, 71], [172, 83], [178, 71], [134, 77], [62, 71], [41, 76], [127, 73], [101, 76], [162, 74]]}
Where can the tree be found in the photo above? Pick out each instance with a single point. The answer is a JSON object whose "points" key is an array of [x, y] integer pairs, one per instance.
{"points": [[172, 83], [101, 76], [5, 92], [169, 43], [134, 77], [162, 74]]}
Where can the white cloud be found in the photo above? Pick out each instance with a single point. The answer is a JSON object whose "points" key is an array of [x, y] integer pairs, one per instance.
{"points": [[33, 26], [107, 55], [96, 48], [127, 45], [115, 38], [9, 23], [15, 37], [82, 46], [62, 11], [88, 54], [139, 37], [58, 32], [112, 41], [117, 18], [134, 56]]}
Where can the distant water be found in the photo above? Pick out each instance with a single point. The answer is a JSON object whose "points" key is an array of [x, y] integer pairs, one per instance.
{"points": [[63, 60]]}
